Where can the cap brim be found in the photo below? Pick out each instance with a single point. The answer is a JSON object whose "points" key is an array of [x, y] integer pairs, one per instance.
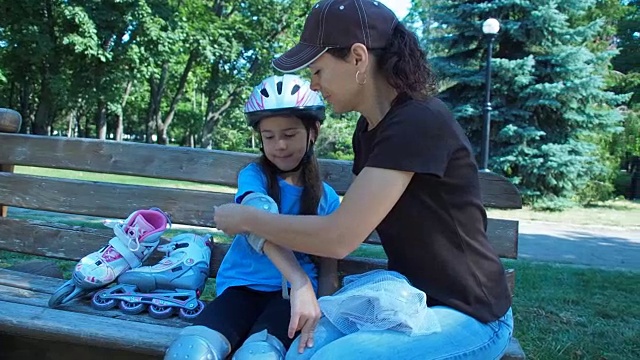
{"points": [[298, 57]]}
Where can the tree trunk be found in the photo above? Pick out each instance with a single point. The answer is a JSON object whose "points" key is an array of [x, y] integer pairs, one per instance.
{"points": [[86, 126], [49, 69], [164, 126], [80, 131], [214, 114], [120, 116], [213, 117], [12, 94], [25, 106], [101, 120], [155, 100], [71, 124], [45, 107]]}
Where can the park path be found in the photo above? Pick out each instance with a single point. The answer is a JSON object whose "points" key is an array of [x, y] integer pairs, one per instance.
{"points": [[598, 246]]}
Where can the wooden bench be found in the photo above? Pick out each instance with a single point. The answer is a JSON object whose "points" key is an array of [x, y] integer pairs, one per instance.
{"points": [[78, 330]]}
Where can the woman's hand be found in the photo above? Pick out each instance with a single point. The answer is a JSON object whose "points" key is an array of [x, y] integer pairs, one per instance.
{"points": [[305, 314], [229, 218]]}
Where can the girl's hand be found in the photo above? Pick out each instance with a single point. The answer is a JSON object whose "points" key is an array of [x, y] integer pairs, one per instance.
{"points": [[305, 314], [229, 218]]}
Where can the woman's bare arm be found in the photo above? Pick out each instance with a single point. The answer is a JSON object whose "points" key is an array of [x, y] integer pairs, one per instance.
{"points": [[370, 198]]}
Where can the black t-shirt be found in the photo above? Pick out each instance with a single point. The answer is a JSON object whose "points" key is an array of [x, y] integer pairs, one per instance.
{"points": [[435, 235]]}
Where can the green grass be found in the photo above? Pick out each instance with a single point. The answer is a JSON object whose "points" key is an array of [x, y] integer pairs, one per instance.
{"points": [[119, 179], [564, 312]]}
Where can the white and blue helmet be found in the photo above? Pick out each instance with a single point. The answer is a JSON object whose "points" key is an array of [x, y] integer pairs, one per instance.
{"points": [[284, 95]]}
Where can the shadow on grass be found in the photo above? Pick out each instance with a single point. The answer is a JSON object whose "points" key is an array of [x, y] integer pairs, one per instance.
{"points": [[611, 206]]}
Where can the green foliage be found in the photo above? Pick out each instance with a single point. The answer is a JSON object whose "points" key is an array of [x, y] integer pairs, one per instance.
{"points": [[335, 137], [550, 98], [628, 142], [628, 39], [622, 184], [70, 62], [179, 71]]}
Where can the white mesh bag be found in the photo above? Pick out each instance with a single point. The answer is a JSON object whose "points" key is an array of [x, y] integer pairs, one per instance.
{"points": [[379, 300]]}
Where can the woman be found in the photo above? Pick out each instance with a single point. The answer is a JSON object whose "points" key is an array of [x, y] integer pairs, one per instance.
{"points": [[417, 185]]}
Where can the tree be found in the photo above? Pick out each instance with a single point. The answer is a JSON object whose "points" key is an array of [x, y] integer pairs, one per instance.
{"points": [[98, 68], [548, 97]]}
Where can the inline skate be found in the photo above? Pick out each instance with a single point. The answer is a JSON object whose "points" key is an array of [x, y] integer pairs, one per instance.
{"points": [[175, 283], [135, 239]]}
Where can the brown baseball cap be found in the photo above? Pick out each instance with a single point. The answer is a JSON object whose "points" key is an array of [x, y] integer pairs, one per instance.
{"points": [[339, 24]]}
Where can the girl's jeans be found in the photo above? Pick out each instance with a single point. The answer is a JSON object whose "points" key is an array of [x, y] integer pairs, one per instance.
{"points": [[461, 337]]}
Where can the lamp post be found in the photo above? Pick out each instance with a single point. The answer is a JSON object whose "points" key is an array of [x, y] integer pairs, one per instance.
{"points": [[490, 28]]}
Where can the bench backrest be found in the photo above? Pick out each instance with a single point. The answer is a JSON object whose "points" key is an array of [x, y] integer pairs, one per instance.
{"points": [[186, 206]]}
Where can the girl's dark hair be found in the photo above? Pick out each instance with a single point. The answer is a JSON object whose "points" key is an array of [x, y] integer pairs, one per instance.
{"points": [[312, 188], [403, 63]]}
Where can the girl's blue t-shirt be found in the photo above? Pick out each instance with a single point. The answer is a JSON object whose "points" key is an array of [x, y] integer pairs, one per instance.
{"points": [[243, 266]]}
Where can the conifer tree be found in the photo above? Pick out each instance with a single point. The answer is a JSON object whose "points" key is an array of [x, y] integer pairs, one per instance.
{"points": [[548, 96]]}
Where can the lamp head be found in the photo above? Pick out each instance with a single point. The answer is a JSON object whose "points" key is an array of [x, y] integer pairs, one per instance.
{"points": [[491, 26]]}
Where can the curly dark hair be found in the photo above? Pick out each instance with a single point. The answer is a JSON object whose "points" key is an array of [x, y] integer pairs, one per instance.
{"points": [[403, 63]]}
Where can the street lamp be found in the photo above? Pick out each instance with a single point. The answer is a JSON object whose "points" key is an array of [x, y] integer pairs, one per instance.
{"points": [[490, 28]]}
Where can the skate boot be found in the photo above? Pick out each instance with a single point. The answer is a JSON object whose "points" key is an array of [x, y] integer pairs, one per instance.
{"points": [[135, 239], [175, 283]]}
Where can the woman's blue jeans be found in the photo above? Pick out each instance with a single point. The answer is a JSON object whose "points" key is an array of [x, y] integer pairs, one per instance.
{"points": [[461, 337]]}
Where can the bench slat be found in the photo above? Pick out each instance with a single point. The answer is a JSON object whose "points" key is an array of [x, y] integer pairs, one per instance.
{"points": [[76, 328], [50, 242], [191, 207], [503, 236], [189, 164], [140, 159], [68, 242], [29, 282], [30, 289], [498, 192], [58, 241]]}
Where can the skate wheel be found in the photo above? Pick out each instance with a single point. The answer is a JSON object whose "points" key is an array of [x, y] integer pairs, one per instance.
{"points": [[160, 312], [58, 297], [131, 308], [190, 314], [101, 303]]}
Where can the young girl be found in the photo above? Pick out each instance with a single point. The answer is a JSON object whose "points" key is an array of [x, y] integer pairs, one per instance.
{"points": [[252, 314]]}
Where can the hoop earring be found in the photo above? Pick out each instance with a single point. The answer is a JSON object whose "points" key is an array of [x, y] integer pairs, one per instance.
{"points": [[365, 78]]}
